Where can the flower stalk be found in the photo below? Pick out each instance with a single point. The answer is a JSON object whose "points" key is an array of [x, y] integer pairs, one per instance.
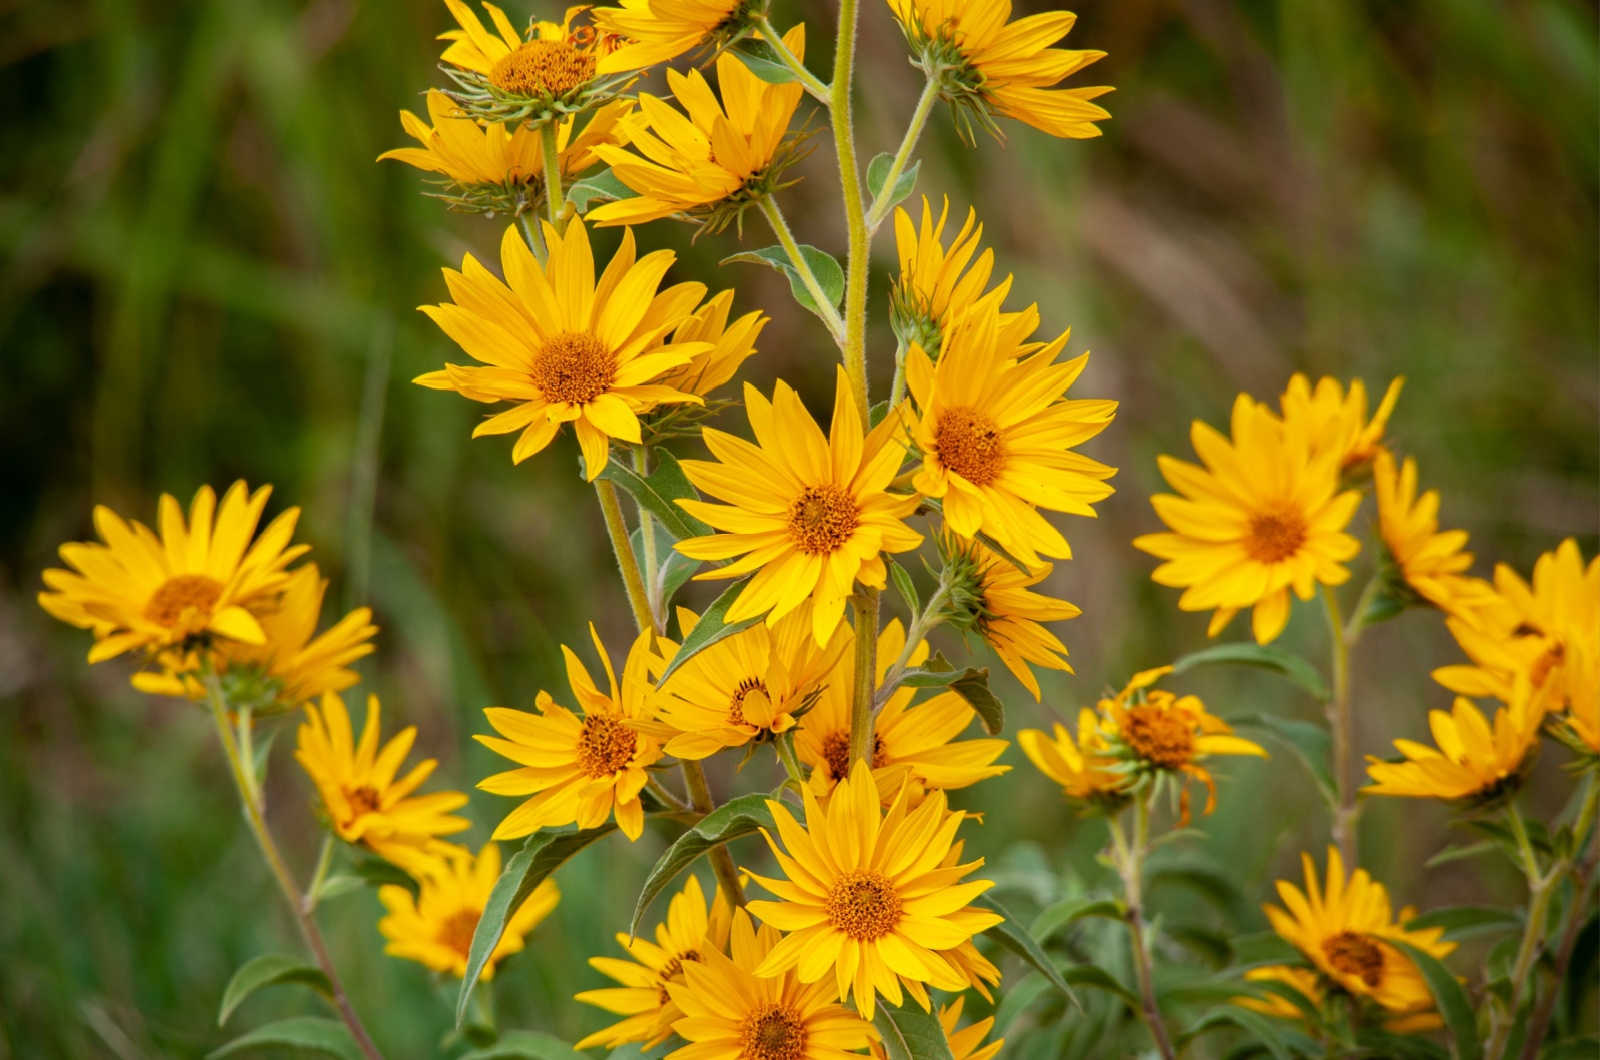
{"points": [[1540, 890], [694, 781], [908, 143], [1583, 877], [1129, 858], [1338, 708], [632, 580], [809, 81], [780, 228], [554, 198]]}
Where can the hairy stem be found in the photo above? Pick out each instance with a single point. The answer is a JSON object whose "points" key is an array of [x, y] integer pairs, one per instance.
{"points": [[1540, 891], [668, 796], [809, 81], [855, 288], [647, 536], [1577, 916], [1130, 866], [554, 199], [921, 626], [864, 695], [780, 228], [1344, 814], [694, 781], [530, 228], [791, 765], [908, 143], [632, 580]]}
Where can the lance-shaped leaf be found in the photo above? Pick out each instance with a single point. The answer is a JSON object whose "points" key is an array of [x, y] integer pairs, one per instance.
{"points": [[824, 267], [1450, 998], [904, 184], [711, 627], [971, 684], [1014, 937], [311, 1034], [542, 854], [658, 494], [270, 969], [763, 61], [910, 1033], [1310, 743], [525, 1045], [738, 817], [1262, 1031], [1069, 911], [603, 185], [1265, 656], [908, 589]]}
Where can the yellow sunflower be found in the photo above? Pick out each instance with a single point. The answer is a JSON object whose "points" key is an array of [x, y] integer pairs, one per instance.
{"points": [[1475, 761], [292, 666], [995, 432], [937, 285], [361, 797], [501, 77], [964, 1042], [682, 938], [914, 744], [1430, 563], [1347, 932], [203, 578], [1263, 516], [435, 928], [809, 514], [1332, 419], [745, 687], [658, 31], [731, 345], [993, 595], [987, 65], [562, 347], [1309, 985], [578, 770], [1528, 628], [866, 897], [728, 151], [1081, 765]]}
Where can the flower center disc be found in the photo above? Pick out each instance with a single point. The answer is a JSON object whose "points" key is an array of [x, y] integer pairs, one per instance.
{"points": [[673, 969], [177, 595], [864, 905], [456, 932], [736, 704], [773, 1032], [1274, 536], [542, 67], [822, 519], [362, 800], [1355, 954], [970, 444], [1164, 738], [573, 367], [605, 745], [836, 752]]}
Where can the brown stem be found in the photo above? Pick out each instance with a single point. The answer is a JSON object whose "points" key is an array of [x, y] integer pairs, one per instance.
{"points": [[694, 780]]}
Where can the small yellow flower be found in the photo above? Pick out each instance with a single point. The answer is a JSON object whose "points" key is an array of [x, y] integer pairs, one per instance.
{"points": [[578, 769], [1307, 983], [731, 345], [996, 432], [199, 579], [562, 347], [1263, 516], [964, 1042], [732, 1012], [987, 65], [1475, 761], [1347, 931], [435, 928], [503, 78], [865, 896], [937, 285], [363, 800], [1334, 420], [1431, 563], [1081, 765], [914, 744], [684, 937], [1006, 614], [809, 514], [658, 31]]}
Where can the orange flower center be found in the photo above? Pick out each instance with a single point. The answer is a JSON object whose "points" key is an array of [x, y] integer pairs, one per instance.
{"points": [[1353, 953], [1275, 535], [864, 905], [177, 596], [772, 1031], [364, 799], [456, 932], [822, 519], [970, 444], [836, 752], [542, 67], [673, 969], [605, 745], [573, 367], [1164, 738], [736, 704]]}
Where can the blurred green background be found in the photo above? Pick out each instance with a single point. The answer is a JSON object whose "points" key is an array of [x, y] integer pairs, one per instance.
{"points": [[206, 277]]}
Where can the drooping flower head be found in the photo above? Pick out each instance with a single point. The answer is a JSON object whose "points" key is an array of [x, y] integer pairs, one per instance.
{"points": [[865, 897], [937, 284], [1263, 516], [658, 31], [363, 797], [563, 347], [717, 157], [435, 927], [1424, 562], [993, 597], [1476, 762], [987, 66], [810, 514], [200, 580], [1332, 419], [578, 769], [684, 937], [996, 432], [1081, 764]]}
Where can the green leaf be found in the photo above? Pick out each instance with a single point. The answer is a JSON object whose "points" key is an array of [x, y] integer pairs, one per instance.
{"points": [[312, 1034], [908, 589], [542, 854], [763, 61], [657, 494], [1465, 921], [1011, 934], [525, 1045], [910, 1033], [1069, 911], [1449, 854], [904, 184], [1377, 1042], [1451, 999], [1262, 1030], [1309, 742], [973, 686], [1584, 1048], [673, 568], [738, 817], [1244, 653], [1261, 947], [376, 872], [270, 969], [338, 886], [1018, 998], [603, 185], [830, 277], [711, 627], [1099, 979]]}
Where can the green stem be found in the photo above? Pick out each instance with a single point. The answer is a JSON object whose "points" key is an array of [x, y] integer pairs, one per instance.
{"points": [[809, 81], [666, 795], [554, 199], [653, 586], [908, 143], [694, 781], [921, 626], [864, 694], [632, 580], [897, 389], [855, 288], [1577, 916], [530, 228], [243, 771], [320, 876], [1344, 814], [780, 228], [1130, 866], [1358, 616], [791, 765], [1540, 891]]}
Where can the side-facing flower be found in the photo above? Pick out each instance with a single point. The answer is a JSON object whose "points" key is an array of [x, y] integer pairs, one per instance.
{"points": [[1307, 983], [719, 160], [996, 434], [363, 799], [733, 1013], [1081, 765], [731, 344], [684, 937], [937, 284], [1426, 563], [658, 31], [809, 514], [578, 770], [1332, 419], [435, 928], [992, 597], [199, 579], [562, 347], [1475, 762], [986, 66], [1263, 516], [865, 896]]}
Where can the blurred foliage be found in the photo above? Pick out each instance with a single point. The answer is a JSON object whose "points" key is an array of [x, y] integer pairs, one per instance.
{"points": [[206, 277]]}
